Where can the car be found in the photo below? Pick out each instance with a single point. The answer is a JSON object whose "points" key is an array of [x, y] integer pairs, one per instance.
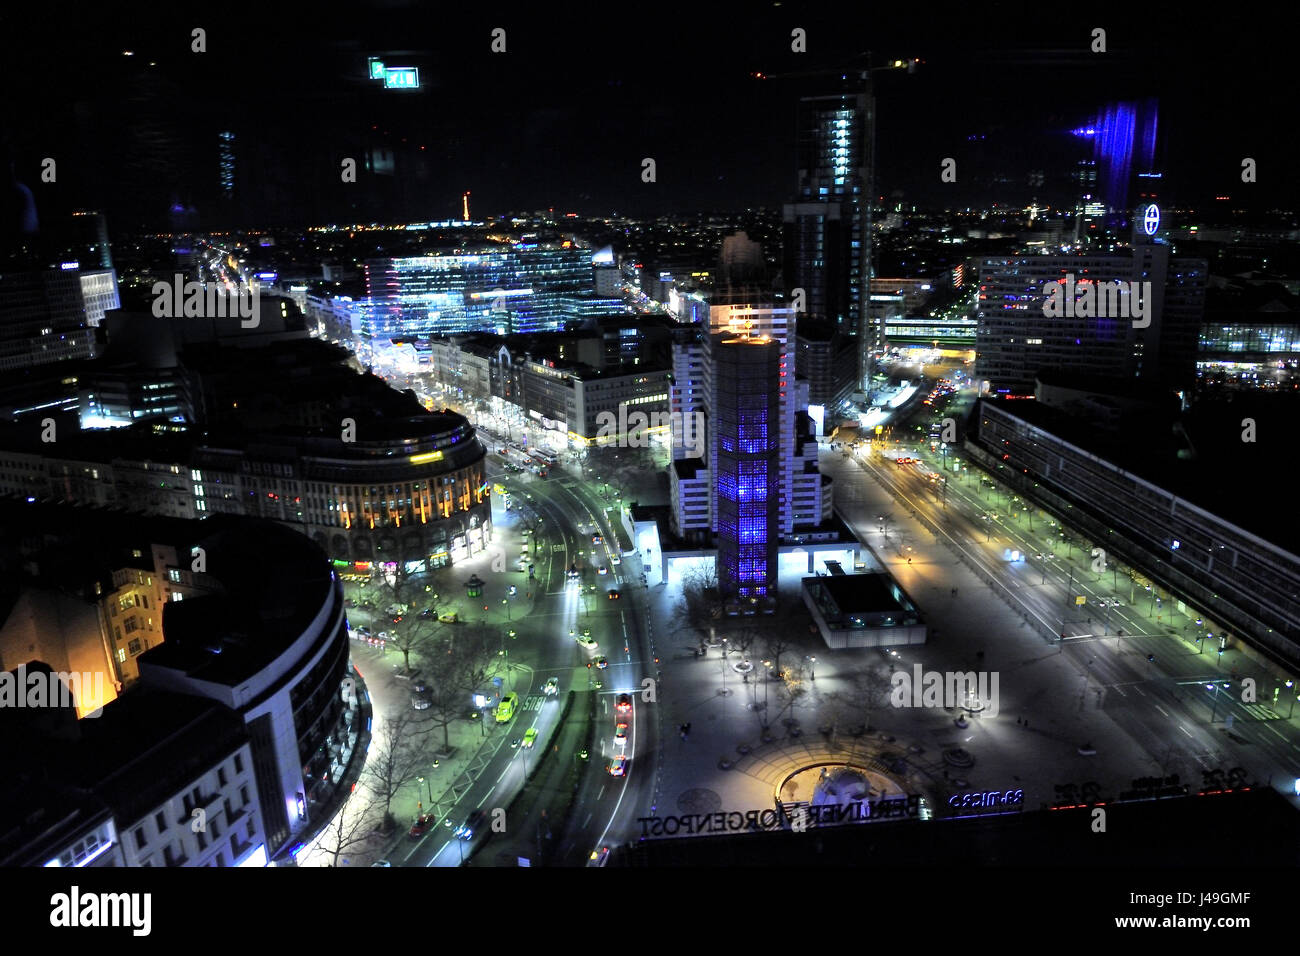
{"points": [[362, 630], [602, 570], [614, 595], [597, 858], [426, 614], [587, 642], [620, 739], [615, 559], [386, 863], [420, 825], [382, 635], [530, 738], [506, 709], [597, 539], [601, 663], [624, 704], [618, 766], [451, 618], [552, 686], [620, 723], [420, 696], [472, 822], [512, 590], [350, 603]]}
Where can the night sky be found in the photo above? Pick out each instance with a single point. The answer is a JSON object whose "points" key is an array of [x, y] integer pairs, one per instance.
{"points": [[585, 91]]}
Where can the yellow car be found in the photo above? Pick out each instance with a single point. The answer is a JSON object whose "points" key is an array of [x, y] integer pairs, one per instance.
{"points": [[506, 709]]}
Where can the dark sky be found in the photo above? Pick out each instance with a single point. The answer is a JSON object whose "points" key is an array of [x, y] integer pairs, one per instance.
{"points": [[585, 91]]}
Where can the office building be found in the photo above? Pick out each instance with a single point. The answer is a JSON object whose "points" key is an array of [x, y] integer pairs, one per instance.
{"points": [[523, 287], [43, 318], [1015, 336], [827, 227], [747, 464]]}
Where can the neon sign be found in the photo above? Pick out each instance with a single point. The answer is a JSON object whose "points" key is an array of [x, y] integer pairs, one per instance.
{"points": [[986, 799], [1151, 219]]}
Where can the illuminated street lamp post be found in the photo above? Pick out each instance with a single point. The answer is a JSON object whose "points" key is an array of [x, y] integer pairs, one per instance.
{"points": [[1215, 709]]}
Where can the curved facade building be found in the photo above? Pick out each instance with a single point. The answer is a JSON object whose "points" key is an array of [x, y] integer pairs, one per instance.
{"points": [[410, 489], [268, 639]]}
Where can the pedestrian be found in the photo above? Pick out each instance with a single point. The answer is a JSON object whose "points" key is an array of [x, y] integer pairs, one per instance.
{"points": [[1026, 721]]}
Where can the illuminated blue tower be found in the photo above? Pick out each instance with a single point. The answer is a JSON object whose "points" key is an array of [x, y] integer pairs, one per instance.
{"points": [[747, 436]]}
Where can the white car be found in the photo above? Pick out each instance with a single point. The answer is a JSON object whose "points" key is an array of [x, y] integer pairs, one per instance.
{"points": [[552, 686], [588, 642]]}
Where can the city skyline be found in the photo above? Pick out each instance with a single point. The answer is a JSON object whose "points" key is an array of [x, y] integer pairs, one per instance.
{"points": [[562, 119], [798, 437]]}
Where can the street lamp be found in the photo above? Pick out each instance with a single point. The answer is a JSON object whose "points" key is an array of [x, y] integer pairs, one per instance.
{"points": [[1214, 710]]}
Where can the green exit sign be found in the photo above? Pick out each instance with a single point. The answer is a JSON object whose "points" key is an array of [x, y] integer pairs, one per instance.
{"points": [[402, 78], [376, 68]]}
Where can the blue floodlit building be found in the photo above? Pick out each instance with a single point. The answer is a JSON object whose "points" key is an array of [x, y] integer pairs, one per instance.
{"points": [[747, 428], [524, 287]]}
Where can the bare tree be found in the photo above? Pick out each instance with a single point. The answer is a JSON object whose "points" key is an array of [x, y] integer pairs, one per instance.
{"points": [[396, 758], [352, 827], [777, 643], [742, 639], [794, 687], [871, 688], [411, 634], [701, 602], [457, 669]]}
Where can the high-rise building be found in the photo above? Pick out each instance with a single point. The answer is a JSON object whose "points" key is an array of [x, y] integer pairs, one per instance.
{"points": [[827, 234], [1016, 337], [43, 318], [1120, 169], [520, 288], [747, 425]]}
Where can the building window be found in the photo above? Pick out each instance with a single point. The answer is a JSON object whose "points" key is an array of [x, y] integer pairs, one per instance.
{"points": [[140, 839], [239, 767], [134, 647], [160, 819]]}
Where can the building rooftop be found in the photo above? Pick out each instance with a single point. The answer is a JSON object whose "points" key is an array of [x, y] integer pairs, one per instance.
{"points": [[273, 582]]}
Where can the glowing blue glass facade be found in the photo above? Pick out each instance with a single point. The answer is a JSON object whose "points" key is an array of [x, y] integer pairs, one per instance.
{"points": [[519, 289], [746, 421]]}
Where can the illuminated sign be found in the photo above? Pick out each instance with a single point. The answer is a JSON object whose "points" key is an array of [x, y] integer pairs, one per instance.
{"points": [[376, 68], [1151, 219], [500, 293], [428, 456], [401, 78], [986, 799], [737, 821]]}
